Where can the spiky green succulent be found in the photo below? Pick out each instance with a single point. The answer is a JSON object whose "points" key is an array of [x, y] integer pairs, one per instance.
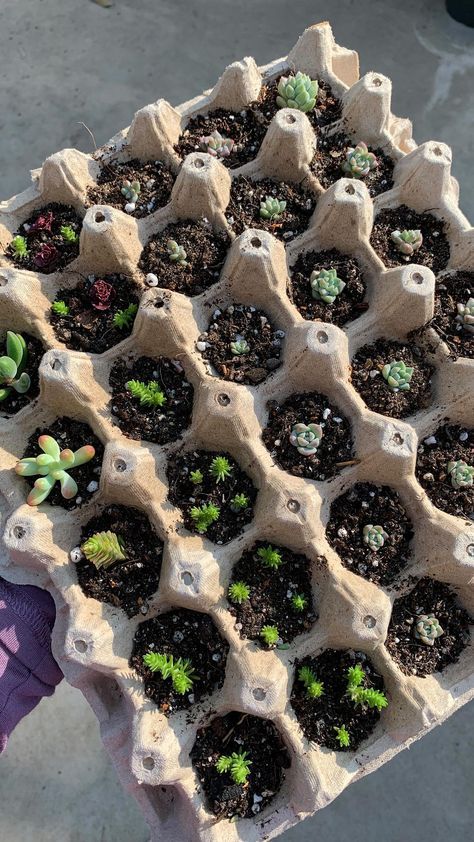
{"points": [[239, 502], [131, 190], [19, 246], [374, 536], [461, 474], [269, 557], [398, 375], [12, 367], [299, 602], [325, 285], [60, 308], [272, 208], [238, 592], [236, 764], [364, 696], [216, 145], [176, 253], [342, 736], [270, 635], [69, 234], [407, 242], [125, 318], [196, 477], [314, 688], [427, 629], [298, 91], [180, 670], [359, 161], [104, 549], [220, 468], [53, 465], [306, 438], [465, 316], [204, 516], [149, 394], [239, 347]]}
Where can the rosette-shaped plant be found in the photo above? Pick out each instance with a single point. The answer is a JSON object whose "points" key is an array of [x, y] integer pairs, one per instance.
{"points": [[306, 438], [101, 294], [465, 315], [239, 347], [176, 253], [236, 764], [427, 629], [325, 285], [407, 242], [398, 375], [12, 367], [46, 256], [272, 208], [374, 536], [52, 466], [297, 92], [104, 549], [359, 161], [461, 474], [131, 190], [216, 145]]}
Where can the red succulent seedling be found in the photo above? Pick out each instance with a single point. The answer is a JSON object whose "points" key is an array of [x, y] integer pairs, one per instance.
{"points": [[102, 295], [42, 223], [46, 255]]}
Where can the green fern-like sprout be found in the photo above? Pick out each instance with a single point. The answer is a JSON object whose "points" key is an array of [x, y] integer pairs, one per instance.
{"points": [[239, 502], [196, 477], [342, 736], [366, 697], [270, 635], [180, 671], [205, 515], [220, 468], [238, 592], [68, 234], [103, 549], [19, 246], [60, 308], [149, 394], [299, 602], [236, 764], [270, 557], [314, 688], [125, 318]]}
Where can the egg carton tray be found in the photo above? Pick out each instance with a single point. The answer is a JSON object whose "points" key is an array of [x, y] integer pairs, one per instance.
{"points": [[92, 641]]}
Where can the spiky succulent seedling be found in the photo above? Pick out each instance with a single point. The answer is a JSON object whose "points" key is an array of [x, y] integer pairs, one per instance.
{"points": [[270, 557], [461, 474], [272, 208], [203, 516], [306, 438], [131, 190], [366, 697], [314, 688], [60, 308], [239, 347], [176, 253], [299, 602], [465, 316], [19, 246], [68, 234], [398, 375], [196, 477], [238, 592], [297, 92], [125, 318], [325, 285], [52, 465], [342, 736], [270, 635], [104, 549], [220, 468], [427, 629], [216, 145], [239, 502], [180, 671], [149, 394], [407, 242], [12, 367], [374, 536], [359, 161], [236, 764]]}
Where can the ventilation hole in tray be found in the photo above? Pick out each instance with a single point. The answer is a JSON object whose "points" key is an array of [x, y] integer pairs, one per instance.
{"points": [[293, 506], [198, 163], [322, 337], [350, 189], [223, 399], [19, 532], [470, 549], [256, 242], [99, 217], [437, 151], [3, 280], [369, 621], [56, 364], [290, 118], [376, 82], [80, 646], [259, 694], [187, 578], [417, 277], [398, 439], [148, 763], [120, 465]]}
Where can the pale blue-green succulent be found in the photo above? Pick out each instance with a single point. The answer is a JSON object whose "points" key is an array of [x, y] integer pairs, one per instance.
{"points": [[325, 285], [359, 161], [12, 367], [398, 375], [461, 474], [306, 438], [427, 629], [131, 190], [239, 347], [465, 315], [374, 536], [216, 145], [272, 208], [407, 242], [176, 253], [52, 466], [297, 92]]}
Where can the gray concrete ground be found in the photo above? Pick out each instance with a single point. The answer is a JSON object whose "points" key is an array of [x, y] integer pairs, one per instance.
{"points": [[65, 61]]}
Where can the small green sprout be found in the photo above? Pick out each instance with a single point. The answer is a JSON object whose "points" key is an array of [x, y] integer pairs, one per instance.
{"points": [[342, 736], [176, 253], [149, 394], [216, 145], [238, 592], [205, 515], [374, 536], [359, 161], [125, 318], [361, 695], [461, 474], [325, 285], [68, 234], [131, 190], [104, 549], [314, 688], [239, 347], [272, 208], [240, 501], [465, 316], [270, 557], [398, 375], [180, 671], [407, 242], [52, 466], [60, 308], [299, 602], [237, 765], [297, 92], [196, 477], [427, 629], [306, 438], [220, 468], [270, 635], [12, 367], [19, 246]]}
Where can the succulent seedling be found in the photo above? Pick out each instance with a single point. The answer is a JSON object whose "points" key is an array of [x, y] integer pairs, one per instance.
{"points": [[125, 318], [180, 671], [314, 688], [366, 697], [297, 92], [342, 736], [131, 190], [68, 234], [270, 635], [398, 375], [220, 468], [237, 765], [60, 308], [407, 242], [239, 347], [102, 294], [196, 477], [461, 474], [272, 208], [374, 536], [12, 367], [269, 557], [52, 465], [216, 145], [19, 246], [359, 161], [465, 316], [149, 394], [299, 602], [238, 592], [306, 438], [427, 629], [203, 516], [239, 502], [104, 549], [325, 285], [176, 253]]}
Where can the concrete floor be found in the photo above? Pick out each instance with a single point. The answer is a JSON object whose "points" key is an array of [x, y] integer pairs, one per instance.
{"points": [[65, 61]]}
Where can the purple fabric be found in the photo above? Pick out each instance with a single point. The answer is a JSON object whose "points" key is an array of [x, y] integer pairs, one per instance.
{"points": [[28, 670]]}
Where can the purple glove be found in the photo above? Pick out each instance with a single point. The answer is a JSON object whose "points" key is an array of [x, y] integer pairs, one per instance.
{"points": [[28, 670]]}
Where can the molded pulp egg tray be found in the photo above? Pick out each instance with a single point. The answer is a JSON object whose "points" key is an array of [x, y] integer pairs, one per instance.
{"points": [[93, 640]]}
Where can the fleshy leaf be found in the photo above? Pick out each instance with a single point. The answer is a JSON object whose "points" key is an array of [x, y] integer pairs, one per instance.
{"points": [[50, 446], [8, 368], [83, 455], [22, 384], [69, 487], [41, 489]]}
